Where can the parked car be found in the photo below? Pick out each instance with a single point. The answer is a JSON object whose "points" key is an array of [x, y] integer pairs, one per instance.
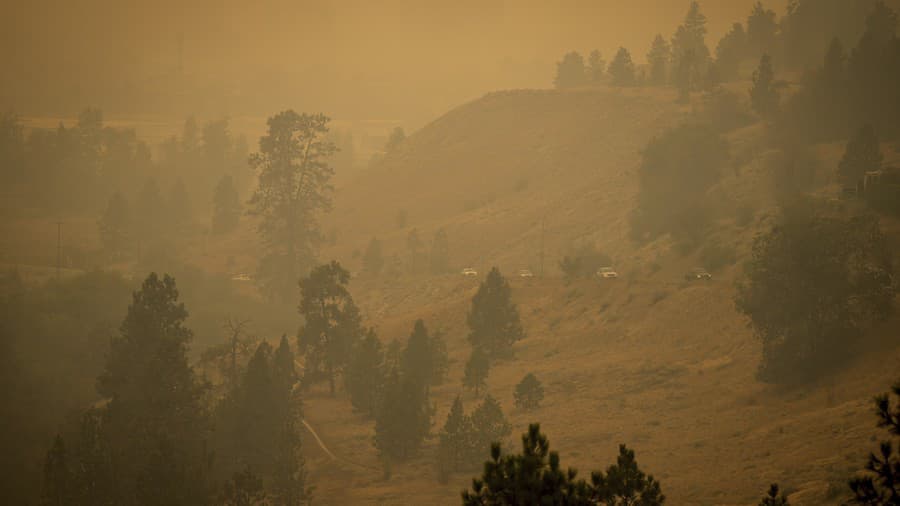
{"points": [[241, 277], [470, 272], [526, 274], [698, 274], [607, 273]]}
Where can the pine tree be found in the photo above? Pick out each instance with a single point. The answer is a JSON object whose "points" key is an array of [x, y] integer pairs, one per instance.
{"points": [[863, 154], [570, 72], [373, 258], [596, 67], [493, 319], [489, 425], [658, 58], [761, 29], [690, 55], [403, 419], [331, 322], [115, 226], [364, 378], [477, 368], [621, 70], [289, 478], [440, 253], [416, 359], [529, 392], [731, 52], [773, 499], [155, 418], [879, 485], [294, 189], [763, 95], [226, 207], [439, 359]]}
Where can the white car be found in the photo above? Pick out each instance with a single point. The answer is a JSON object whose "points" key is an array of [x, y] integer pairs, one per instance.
{"points": [[470, 272], [241, 277], [607, 273], [526, 274]]}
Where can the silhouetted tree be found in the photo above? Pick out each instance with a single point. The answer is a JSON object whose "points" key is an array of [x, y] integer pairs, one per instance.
{"points": [[879, 484], [294, 188], [529, 392], [489, 425], [455, 443], [690, 55], [493, 319], [373, 258], [761, 30], [115, 226], [416, 358], [731, 52], [331, 321], [834, 69], [536, 477], [621, 69], [814, 284], [571, 72], [403, 419], [772, 497], [477, 369], [596, 67], [863, 154], [226, 207], [155, 419], [58, 479], [658, 58], [763, 94], [364, 377]]}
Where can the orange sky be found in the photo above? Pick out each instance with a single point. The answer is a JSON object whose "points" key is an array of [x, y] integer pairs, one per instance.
{"points": [[352, 58]]}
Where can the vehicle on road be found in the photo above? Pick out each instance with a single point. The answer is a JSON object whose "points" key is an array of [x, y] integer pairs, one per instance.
{"points": [[470, 272], [698, 274], [241, 277], [607, 273], [526, 274]]}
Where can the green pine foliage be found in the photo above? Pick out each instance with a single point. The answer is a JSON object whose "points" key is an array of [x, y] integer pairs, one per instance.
{"points": [[403, 420], [364, 378]]}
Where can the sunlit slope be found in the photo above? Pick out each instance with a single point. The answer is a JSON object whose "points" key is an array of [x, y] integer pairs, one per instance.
{"points": [[492, 170], [650, 360]]}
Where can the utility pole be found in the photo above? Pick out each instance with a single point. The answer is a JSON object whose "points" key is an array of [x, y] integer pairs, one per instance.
{"points": [[58, 248]]}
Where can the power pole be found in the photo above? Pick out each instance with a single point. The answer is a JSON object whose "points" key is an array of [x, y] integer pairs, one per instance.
{"points": [[58, 248]]}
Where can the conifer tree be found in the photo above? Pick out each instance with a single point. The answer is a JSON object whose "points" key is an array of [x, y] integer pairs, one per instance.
{"points": [[621, 69], [404, 417], [879, 484], [596, 67], [477, 368], [529, 392], [155, 418], [690, 55], [416, 359], [294, 189], [364, 378], [456, 442], [439, 359], [761, 30], [570, 72], [493, 319], [331, 322], [489, 425], [658, 58], [863, 154], [763, 95], [731, 52]]}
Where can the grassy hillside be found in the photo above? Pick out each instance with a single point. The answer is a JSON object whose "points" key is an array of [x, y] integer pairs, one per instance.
{"points": [[666, 366]]}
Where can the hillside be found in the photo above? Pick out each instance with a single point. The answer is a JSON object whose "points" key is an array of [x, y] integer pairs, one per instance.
{"points": [[650, 360]]}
